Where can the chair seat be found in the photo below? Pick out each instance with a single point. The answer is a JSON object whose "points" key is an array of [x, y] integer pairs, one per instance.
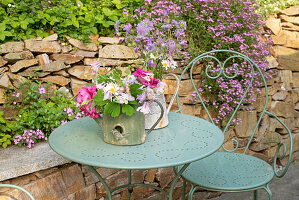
{"points": [[229, 171]]}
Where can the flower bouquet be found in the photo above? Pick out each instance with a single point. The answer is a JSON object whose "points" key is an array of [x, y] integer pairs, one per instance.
{"points": [[119, 103]]}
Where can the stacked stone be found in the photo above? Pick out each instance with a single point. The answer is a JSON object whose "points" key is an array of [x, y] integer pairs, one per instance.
{"points": [[67, 65]]}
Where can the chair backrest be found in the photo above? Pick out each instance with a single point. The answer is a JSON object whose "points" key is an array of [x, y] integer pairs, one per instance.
{"points": [[231, 67], [226, 66]]}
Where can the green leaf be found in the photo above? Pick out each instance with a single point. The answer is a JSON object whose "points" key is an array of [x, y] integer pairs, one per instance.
{"points": [[117, 4], [112, 109], [135, 89], [128, 109], [76, 23], [98, 99]]}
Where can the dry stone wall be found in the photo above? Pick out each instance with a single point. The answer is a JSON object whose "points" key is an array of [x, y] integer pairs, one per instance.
{"points": [[67, 65]]}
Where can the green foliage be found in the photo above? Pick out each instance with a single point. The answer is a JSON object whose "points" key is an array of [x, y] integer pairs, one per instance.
{"points": [[5, 129], [23, 19], [40, 107], [273, 6]]}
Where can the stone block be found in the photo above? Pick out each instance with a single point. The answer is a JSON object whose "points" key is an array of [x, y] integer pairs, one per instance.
{"points": [[274, 25], [271, 151], [14, 57], [294, 20], [85, 72], [288, 58], [3, 70], [109, 40], [80, 45], [2, 96], [282, 109], [43, 59], [87, 54], [117, 52], [4, 80], [53, 66], [273, 64], [289, 26], [249, 120], [67, 58], [76, 84], [90, 178], [58, 80], [62, 73], [165, 176], [33, 72], [10, 47], [295, 79], [16, 79], [73, 179], [2, 61], [150, 176], [66, 48], [280, 96], [109, 62], [285, 78], [293, 10], [23, 64], [266, 141], [51, 38], [87, 193], [42, 46]]}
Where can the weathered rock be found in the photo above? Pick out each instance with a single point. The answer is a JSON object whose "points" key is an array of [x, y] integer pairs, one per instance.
{"points": [[10, 47], [289, 26], [3, 70], [14, 57], [295, 79], [16, 79], [87, 193], [294, 20], [285, 78], [2, 96], [53, 66], [150, 176], [4, 80], [271, 151], [80, 45], [51, 38], [282, 109], [109, 62], [33, 72], [67, 58], [164, 176], [86, 72], [94, 38], [266, 141], [66, 91], [2, 61], [62, 73], [43, 59], [293, 10], [88, 54], [288, 39], [66, 48], [76, 84], [272, 62], [59, 80], [287, 58], [23, 64], [260, 103], [42, 46], [117, 52], [274, 25], [73, 179], [249, 120], [109, 40], [280, 96]]}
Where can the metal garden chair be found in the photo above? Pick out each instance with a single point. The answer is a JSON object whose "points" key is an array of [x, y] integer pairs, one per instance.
{"points": [[229, 171], [18, 188]]}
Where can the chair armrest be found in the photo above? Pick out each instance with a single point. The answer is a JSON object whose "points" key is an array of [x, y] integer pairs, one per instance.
{"points": [[284, 149], [18, 188]]}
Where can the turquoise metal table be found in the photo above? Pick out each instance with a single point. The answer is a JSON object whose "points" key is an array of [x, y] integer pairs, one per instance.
{"points": [[184, 140]]}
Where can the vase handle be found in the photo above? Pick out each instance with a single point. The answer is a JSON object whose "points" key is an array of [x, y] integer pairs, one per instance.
{"points": [[175, 92], [160, 118]]}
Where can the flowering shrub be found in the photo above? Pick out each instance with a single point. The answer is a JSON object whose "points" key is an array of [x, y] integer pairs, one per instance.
{"points": [[29, 138], [113, 94], [233, 25], [5, 128], [157, 34], [41, 107]]}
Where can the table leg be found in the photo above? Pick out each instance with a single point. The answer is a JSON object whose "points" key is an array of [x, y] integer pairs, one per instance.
{"points": [[109, 196], [130, 187], [178, 174]]}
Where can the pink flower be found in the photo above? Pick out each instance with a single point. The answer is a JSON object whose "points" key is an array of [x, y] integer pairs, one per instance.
{"points": [[42, 90], [145, 108], [86, 94], [146, 78]]}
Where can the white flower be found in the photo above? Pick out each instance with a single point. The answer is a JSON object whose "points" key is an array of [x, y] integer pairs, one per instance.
{"points": [[129, 80], [124, 98], [9, 5], [165, 64], [109, 90], [152, 56], [160, 87], [172, 64]]}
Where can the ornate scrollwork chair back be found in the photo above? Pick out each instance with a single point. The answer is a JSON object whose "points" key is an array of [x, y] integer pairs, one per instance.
{"points": [[229, 171], [18, 188]]}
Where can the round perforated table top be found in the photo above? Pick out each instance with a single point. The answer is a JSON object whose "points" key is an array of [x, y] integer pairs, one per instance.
{"points": [[184, 140]]}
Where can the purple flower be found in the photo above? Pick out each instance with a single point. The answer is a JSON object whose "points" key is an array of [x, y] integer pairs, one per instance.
{"points": [[95, 66], [171, 46], [178, 33], [142, 29], [183, 42], [145, 108], [183, 24], [151, 63], [116, 25], [141, 97], [175, 23], [166, 26], [127, 28]]}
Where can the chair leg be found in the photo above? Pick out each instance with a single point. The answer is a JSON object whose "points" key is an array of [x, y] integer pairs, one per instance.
{"points": [[255, 194], [267, 189], [184, 190], [191, 192]]}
